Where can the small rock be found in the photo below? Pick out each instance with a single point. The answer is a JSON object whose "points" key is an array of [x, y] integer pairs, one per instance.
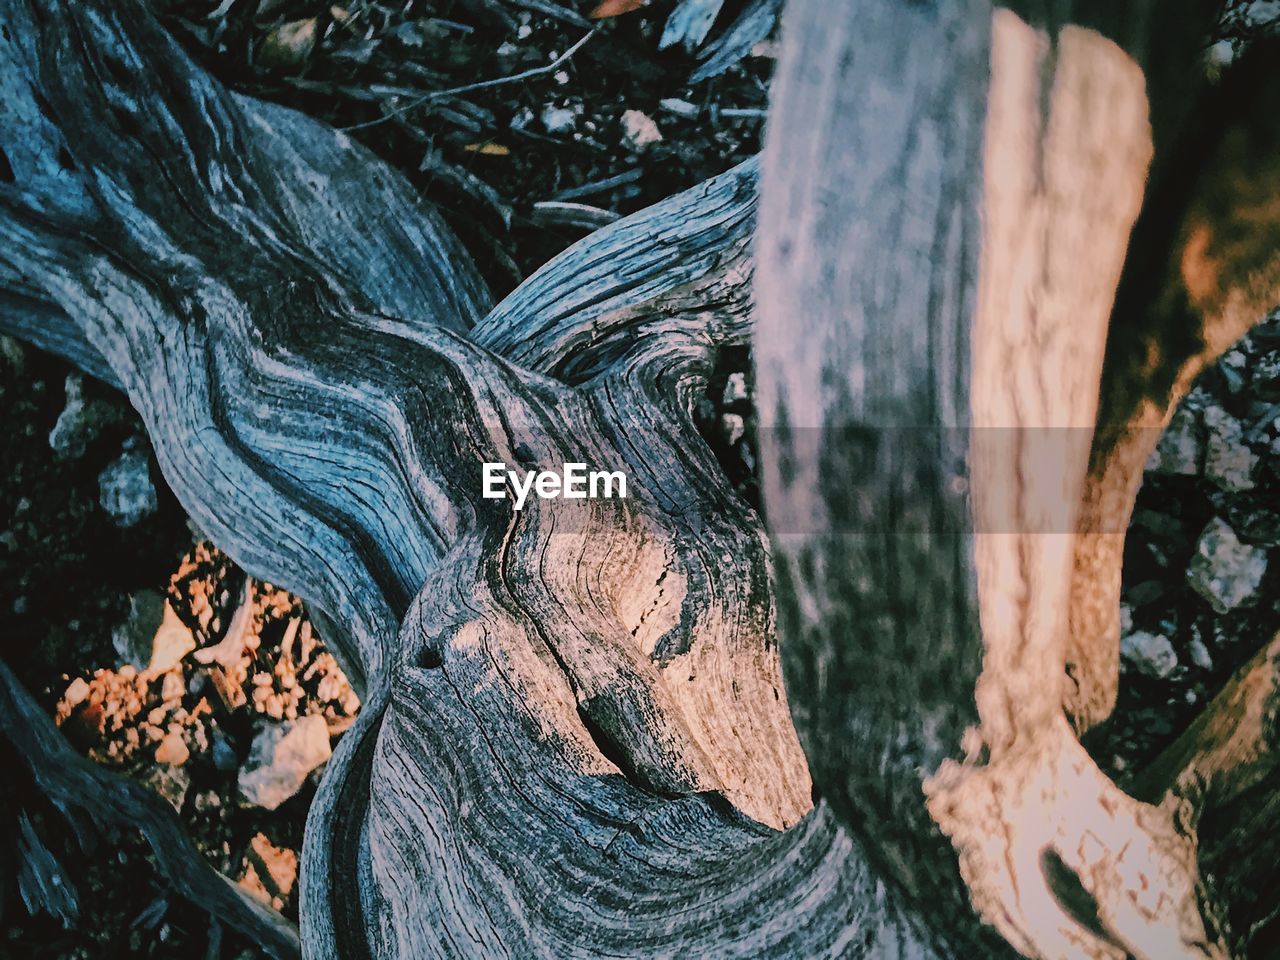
{"points": [[79, 422], [172, 688], [1232, 367], [732, 428], [14, 353], [224, 758], [735, 389], [1178, 451], [1266, 376], [133, 638], [1228, 461], [1225, 571], [639, 131], [1251, 516], [681, 108], [558, 119], [173, 640], [170, 782], [1149, 653], [76, 692], [125, 489], [522, 119], [280, 758], [288, 45], [173, 750], [270, 871], [1200, 655]]}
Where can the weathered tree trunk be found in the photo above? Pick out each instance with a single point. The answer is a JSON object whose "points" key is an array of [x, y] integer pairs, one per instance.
{"points": [[576, 739]]}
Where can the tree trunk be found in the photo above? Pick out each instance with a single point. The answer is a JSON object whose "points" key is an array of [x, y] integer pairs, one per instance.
{"points": [[576, 738]]}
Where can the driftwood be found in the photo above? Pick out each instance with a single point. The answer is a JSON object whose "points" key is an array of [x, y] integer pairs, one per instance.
{"points": [[576, 738]]}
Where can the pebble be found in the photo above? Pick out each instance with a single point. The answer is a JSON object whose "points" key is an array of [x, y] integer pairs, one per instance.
{"points": [[280, 758], [125, 490], [1225, 571], [735, 389], [173, 751], [1149, 653], [78, 423], [732, 428], [681, 108], [172, 688], [76, 692], [1178, 451], [172, 641], [133, 639], [558, 119], [171, 782], [639, 131], [224, 758], [1228, 461]]}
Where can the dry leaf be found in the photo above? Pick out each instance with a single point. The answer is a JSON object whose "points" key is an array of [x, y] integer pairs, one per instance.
{"points": [[488, 149], [616, 8], [289, 44]]}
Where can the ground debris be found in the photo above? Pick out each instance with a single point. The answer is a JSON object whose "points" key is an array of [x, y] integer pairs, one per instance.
{"points": [[225, 696]]}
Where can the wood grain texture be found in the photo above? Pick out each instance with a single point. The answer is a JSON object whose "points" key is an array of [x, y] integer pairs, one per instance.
{"points": [[1221, 773], [578, 698], [1202, 270], [867, 264]]}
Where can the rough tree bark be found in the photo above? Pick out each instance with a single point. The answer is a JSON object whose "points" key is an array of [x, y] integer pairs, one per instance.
{"points": [[576, 739]]}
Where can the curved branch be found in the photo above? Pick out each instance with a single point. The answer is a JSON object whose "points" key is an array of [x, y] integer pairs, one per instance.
{"points": [[865, 296], [663, 286], [1203, 270], [627, 646]]}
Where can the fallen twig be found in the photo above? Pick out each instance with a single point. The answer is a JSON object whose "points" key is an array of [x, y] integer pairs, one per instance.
{"points": [[553, 213], [600, 186], [480, 85]]}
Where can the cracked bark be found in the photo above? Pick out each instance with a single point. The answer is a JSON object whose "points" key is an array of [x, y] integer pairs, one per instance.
{"points": [[576, 737]]}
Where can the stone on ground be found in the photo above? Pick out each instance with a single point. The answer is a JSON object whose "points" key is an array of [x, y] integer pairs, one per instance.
{"points": [[280, 758], [1225, 571]]}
